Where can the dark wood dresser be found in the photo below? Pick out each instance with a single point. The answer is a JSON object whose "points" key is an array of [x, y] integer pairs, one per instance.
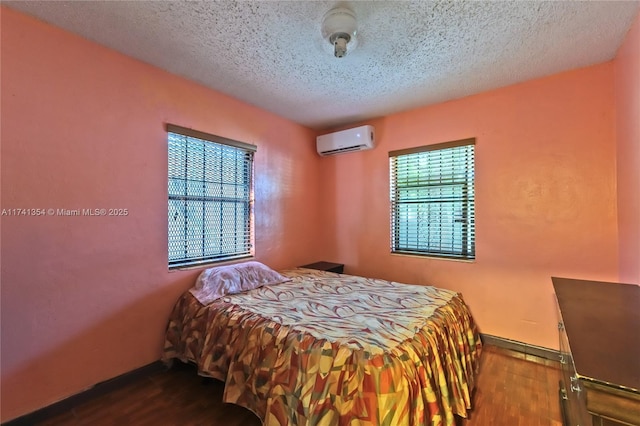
{"points": [[599, 325]]}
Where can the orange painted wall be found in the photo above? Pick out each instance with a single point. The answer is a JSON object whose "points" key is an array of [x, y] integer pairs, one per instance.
{"points": [[627, 81], [85, 299], [545, 198]]}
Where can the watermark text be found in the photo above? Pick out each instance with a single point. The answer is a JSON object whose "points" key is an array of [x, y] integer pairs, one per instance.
{"points": [[50, 211]]}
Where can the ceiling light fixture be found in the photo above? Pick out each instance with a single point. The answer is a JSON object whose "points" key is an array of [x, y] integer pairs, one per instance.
{"points": [[339, 27]]}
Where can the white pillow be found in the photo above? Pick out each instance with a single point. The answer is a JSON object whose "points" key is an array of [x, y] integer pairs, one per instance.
{"points": [[216, 282]]}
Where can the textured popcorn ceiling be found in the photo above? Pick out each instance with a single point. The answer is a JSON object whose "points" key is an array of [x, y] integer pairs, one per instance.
{"points": [[410, 53]]}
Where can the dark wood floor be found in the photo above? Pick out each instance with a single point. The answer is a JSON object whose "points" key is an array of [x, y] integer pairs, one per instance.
{"points": [[512, 390]]}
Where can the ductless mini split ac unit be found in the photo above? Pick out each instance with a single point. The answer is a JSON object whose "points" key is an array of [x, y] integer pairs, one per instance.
{"points": [[356, 139]]}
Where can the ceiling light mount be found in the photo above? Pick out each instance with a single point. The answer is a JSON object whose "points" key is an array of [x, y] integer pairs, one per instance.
{"points": [[339, 28]]}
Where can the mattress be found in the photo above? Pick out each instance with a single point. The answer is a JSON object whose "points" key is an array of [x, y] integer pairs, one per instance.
{"points": [[334, 349]]}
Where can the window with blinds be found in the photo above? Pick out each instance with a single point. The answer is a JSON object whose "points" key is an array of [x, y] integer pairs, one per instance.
{"points": [[210, 198], [432, 200]]}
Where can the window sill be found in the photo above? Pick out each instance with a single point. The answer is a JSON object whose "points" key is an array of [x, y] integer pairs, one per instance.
{"points": [[211, 264], [426, 256]]}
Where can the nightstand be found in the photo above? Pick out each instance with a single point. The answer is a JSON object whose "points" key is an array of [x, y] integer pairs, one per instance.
{"points": [[326, 266]]}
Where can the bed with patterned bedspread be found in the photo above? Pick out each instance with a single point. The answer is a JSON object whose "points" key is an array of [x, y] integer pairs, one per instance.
{"points": [[333, 349]]}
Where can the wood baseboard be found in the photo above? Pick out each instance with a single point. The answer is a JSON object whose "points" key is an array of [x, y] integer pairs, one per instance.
{"points": [[521, 347], [97, 390]]}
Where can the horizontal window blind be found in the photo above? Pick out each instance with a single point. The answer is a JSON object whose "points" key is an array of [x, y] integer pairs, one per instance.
{"points": [[433, 200], [210, 192]]}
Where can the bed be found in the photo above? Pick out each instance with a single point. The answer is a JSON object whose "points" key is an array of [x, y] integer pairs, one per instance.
{"points": [[321, 348]]}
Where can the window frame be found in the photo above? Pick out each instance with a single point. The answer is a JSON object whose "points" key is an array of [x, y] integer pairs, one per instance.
{"points": [[245, 240], [462, 242]]}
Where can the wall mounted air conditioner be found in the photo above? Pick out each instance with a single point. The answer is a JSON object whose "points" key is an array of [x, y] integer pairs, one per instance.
{"points": [[356, 139]]}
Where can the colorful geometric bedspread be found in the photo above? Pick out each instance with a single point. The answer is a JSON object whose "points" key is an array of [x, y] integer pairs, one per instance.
{"points": [[331, 349]]}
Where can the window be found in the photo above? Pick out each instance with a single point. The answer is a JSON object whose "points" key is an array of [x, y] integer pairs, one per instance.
{"points": [[432, 200], [210, 198]]}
